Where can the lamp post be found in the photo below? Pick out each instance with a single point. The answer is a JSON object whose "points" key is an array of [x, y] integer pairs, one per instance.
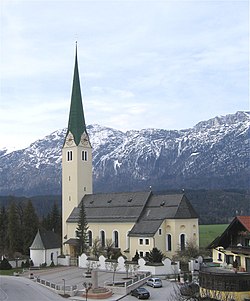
{"points": [[87, 287], [63, 287]]}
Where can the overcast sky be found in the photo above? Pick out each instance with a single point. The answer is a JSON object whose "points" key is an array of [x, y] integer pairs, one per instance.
{"points": [[143, 64]]}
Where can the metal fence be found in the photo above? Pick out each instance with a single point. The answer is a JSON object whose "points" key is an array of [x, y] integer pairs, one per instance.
{"points": [[125, 287], [59, 288]]}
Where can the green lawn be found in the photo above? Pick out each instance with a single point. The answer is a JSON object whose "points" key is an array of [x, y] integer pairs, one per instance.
{"points": [[209, 232], [10, 272]]}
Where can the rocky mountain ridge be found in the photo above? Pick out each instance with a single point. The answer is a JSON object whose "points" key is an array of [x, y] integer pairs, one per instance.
{"points": [[213, 154]]}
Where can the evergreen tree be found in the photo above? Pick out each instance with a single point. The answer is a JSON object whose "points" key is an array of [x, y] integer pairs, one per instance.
{"points": [[55, 220], [14, 230], [136, 257], [3, 231], [19, 210], [5, 265], [30, 226], [82, 228], [155, 256], [45, 223]]}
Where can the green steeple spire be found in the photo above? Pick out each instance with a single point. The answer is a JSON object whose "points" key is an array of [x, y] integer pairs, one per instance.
{"points": [[76, 123]]}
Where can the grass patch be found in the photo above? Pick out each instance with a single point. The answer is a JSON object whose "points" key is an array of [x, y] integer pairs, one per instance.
{"points": [[209, 232], [10, 272]]}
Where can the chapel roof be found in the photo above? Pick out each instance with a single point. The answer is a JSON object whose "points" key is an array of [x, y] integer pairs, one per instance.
{"points": [[45, 239]]}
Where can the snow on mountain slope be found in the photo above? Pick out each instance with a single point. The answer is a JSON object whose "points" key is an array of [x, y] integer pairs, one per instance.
{"points": [[212, 154]]}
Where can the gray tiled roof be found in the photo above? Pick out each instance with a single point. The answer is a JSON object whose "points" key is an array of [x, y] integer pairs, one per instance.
{"points": [[46, 240], [145, 209], [112, 207], [159, 208]]}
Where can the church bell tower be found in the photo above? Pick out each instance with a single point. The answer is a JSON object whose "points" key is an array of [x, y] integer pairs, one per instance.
{"points": [[76, 156]]}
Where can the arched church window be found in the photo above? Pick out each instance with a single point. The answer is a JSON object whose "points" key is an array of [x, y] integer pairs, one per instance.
{"points": [[182, 241], [90, 237], [116, 239], [69, 155], [84, 156], [169, 242], [102, 238]]}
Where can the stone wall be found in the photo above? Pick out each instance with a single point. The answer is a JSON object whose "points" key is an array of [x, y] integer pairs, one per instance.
{"points": [[167, 267]]}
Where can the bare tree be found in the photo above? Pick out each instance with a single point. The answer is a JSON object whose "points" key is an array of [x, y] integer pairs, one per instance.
{"points": [[96, 249], [109, 247], [191, 250], [112, 265]]}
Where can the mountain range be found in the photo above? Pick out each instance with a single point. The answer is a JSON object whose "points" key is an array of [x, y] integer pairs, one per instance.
{"points": [[214, 154]]}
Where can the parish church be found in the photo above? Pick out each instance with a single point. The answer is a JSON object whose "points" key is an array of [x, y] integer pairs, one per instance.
{"points": [[134, 221]]}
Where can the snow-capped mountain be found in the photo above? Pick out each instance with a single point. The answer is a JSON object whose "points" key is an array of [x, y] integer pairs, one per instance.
{"points": [[212, 154]]}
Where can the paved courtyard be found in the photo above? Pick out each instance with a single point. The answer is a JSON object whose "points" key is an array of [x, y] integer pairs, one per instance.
{"points": [[76, 276]]}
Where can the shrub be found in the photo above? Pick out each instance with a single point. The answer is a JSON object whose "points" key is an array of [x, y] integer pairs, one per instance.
{"points": [[136, 257], [27, 264], [52, 264], [5, 265], [155, 256]]}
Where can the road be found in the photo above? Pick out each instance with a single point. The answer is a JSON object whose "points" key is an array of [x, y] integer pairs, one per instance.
{"points": [[23, 289], [74, 275], [165, 293]]}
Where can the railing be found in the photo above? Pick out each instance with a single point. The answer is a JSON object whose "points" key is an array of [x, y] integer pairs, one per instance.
{"points": [[137, 278], [125, 287], [224, 281], [59, 288]]}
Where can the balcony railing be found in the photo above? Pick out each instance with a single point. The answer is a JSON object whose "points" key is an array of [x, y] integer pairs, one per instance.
{"points": [[222, 280]]}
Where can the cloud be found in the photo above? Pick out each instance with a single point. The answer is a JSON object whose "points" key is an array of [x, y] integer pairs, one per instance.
{"points": [[142, 63]]}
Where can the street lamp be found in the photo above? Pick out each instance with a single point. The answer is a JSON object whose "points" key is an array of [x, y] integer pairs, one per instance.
{"points": [[87, 287], [63, 287]]}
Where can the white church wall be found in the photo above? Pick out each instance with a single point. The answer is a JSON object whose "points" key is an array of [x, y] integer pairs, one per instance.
{"points": [[168, 267], [45, 256], [65, 261], [51, 255], [102, 263], [194, 264], [16, 263], [38, 257]]}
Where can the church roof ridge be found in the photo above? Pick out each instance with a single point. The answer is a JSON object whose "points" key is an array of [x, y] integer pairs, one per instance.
{"points": [[45, 239]]}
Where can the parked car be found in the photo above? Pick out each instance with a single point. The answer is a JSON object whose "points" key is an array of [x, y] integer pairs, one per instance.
{"points": [[154, 282], [140, 293]]}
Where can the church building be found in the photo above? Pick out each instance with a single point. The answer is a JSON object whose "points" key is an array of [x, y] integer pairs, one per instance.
{"points": [[134, 221]]}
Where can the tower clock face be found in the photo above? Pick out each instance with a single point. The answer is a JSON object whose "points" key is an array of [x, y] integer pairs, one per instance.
{"points": [[84, 139], [69, 139]]}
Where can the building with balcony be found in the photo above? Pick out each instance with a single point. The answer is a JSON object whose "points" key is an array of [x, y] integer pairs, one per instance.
{"points": [[229, 277]]}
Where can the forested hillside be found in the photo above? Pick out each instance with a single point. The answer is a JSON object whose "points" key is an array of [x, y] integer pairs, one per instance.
{"points": [[213, 206]]}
